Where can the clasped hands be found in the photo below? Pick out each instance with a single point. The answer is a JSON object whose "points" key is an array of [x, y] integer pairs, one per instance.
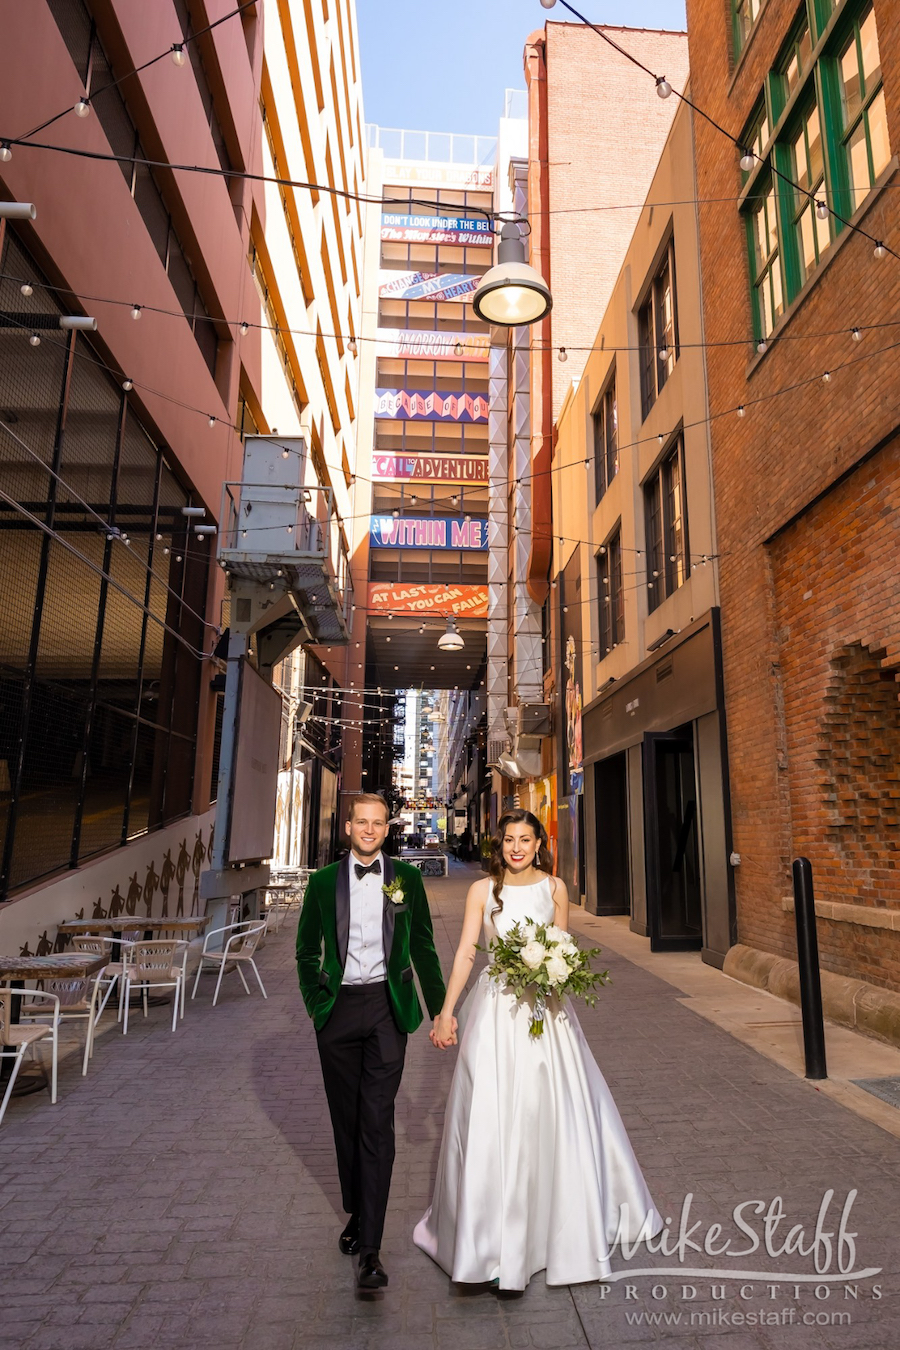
{"points": [[443, 1033]]}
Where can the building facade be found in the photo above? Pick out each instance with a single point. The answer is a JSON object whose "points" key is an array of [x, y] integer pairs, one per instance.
{"points": [[807, 480], [641, 707], [204, 289]]}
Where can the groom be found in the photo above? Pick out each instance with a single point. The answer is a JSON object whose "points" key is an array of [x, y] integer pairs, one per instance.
{"points": [[363, 921]]}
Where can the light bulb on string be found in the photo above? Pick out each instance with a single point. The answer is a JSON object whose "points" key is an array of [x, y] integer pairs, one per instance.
{"points": [[880, 250], [27, 289], [663, 88], [741, 410], [212, 420], [178, 55], [35, 340], [822, 210], [855, 334], [826, 378], [748, 159], [82, 108], [663, 353], [351, 346], [459, 349], [127, 385], [5, 152], [762, 346], [284, 452], [244, 328], [136, 311], [563, 355]]}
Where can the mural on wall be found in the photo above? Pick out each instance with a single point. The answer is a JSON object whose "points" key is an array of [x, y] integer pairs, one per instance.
{"points": [[574, 741], [125, 893]]}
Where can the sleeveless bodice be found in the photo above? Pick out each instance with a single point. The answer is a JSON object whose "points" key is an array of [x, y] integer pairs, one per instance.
{"points": [[521, 904]]}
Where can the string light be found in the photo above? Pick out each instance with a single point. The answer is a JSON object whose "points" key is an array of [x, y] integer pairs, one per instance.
{"points": [[855, 334], [5, 152], [82, 108], [212, 420], [35, 340], [178, 55], [822, 210], [136, 311], [351, 346], [880, 250], [128, 385], [27, 289], [827, 377], [748, 159], [762, 346], [663, 88], [563, 355], [459, 349], [740, 411], [244, 328]]}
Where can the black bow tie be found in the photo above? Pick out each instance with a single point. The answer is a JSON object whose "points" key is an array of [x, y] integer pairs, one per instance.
{"points": [[362, 871]]}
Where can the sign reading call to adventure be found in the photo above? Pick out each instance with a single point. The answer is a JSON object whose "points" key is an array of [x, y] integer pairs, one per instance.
{"points": [[428, 532], [430, 468], [436, 230], [428, 599], [408, 405], [427, 286]]}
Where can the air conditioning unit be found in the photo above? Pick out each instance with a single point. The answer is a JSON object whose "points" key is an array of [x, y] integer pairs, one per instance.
{"points": [[494, 751], [534, 719]]}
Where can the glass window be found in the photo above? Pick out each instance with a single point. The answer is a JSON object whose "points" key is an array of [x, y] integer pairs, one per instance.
{"points": [[611, 595], [745, 13], [767, 278], [796, 60], [865, 134], [658, 332], [808, 170], [606, 440], [665, 527]]}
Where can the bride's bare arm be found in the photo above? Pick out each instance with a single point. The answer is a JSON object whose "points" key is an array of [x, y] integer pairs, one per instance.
{"points": [[561, 903], [444, 1031]]}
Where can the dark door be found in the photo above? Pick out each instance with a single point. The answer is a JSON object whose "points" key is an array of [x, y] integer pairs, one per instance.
{"points": [[674, 911], [611, 812]]}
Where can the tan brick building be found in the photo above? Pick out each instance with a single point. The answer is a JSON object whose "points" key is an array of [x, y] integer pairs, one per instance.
{"points": [[807, 479]]}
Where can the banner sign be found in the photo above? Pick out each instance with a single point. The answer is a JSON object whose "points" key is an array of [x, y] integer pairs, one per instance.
{"points": [[428, 599], [435, 230], [428, 532], [429, 468], [427, 286], [420, 345], [408, 405], [437, 175]]}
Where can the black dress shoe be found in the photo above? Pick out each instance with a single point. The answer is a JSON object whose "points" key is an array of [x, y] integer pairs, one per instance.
{"points": [[371, 1273], [348, 1242]]}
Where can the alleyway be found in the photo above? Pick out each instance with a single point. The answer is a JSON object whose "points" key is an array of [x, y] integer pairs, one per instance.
{"points": [[184, 1193]]}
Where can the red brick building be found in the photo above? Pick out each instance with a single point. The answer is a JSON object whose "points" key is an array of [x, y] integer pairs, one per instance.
{"points": [[807, 476]]}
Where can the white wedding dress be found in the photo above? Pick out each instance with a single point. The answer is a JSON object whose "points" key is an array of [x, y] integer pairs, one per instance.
{"points": [[535, 1166]]}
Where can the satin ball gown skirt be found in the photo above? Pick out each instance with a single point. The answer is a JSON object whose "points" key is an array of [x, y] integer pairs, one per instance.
{"points": [[535, 1171]]}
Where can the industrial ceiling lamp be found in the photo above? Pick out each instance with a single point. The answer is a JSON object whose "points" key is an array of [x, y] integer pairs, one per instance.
{"points": [[512, 293], [451, 641]]}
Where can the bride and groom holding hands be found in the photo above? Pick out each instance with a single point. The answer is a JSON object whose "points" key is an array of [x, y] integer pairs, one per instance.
{"points": [[535, 1170]]}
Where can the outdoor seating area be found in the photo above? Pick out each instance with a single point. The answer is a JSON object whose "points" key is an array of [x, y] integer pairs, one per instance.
{"points": [[107, 971]]}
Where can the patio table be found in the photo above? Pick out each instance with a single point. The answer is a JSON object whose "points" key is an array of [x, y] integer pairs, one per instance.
{"points": [[14, 971]]}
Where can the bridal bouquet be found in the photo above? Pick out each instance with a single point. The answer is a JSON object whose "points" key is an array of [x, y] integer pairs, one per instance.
{"points": [[546, 959]]}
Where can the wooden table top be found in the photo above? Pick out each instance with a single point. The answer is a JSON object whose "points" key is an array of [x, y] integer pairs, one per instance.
{"points": [[131, 921], [56, 967]]}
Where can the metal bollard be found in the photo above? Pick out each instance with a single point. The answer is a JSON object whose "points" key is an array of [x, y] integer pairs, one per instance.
{"points": [[808, 960]]}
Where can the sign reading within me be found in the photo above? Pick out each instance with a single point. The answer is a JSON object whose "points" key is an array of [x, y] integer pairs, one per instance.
{"points": [[428, 532]]}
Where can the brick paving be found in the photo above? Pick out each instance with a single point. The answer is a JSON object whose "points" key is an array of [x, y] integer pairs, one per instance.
{"points": [[185, 1192]]}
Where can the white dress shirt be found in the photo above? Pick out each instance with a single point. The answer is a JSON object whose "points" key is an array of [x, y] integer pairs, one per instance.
{"points": [[365, 946]]}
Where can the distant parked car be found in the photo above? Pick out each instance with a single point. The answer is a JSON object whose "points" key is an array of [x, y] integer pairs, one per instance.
{"points": [[432, 841]]}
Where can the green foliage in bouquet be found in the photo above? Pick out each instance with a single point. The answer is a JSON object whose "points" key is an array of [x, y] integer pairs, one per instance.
{"points": [[546, 960]]}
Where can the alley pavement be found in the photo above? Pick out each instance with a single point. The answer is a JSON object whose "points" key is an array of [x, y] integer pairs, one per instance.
{"points": [[184, 1193]]}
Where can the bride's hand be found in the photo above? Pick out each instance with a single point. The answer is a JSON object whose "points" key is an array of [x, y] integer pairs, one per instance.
{"points": [[443, 1033]]}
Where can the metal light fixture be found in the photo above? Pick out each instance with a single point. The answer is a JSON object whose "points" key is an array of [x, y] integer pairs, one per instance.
{"points": [[511, 293], [16, 210], [451, 641]]}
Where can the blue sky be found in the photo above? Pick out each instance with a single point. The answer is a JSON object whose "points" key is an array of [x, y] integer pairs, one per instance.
{"points": [[434, 65]]}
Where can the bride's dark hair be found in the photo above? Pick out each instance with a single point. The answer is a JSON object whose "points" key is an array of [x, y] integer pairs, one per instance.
{"points": [[542, 860]]}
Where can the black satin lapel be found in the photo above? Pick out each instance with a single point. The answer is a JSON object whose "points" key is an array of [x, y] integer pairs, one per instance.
{"points": [[387, 923], [342, 909]]}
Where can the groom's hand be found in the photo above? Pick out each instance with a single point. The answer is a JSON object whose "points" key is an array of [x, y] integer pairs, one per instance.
{"points": [[443, 1032]]}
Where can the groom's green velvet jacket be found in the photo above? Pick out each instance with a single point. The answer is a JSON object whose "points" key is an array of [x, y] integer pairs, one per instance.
{"points": [[324, 932]]}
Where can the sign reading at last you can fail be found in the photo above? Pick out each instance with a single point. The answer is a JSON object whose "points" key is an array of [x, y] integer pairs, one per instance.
{"points": [[428, 599], [428, 532]]}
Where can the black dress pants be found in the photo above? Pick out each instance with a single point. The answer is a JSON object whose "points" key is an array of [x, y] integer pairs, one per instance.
{"points": [[362, 1052]]}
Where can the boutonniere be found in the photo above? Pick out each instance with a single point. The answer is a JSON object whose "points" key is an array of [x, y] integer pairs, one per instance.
{"points": [[394, 891]]}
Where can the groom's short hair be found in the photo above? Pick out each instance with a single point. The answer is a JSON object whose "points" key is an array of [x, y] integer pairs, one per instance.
{"points": [[367, 799]]}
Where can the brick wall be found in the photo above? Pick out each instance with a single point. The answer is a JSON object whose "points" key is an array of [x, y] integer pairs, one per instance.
{"points": [[811, 629]]}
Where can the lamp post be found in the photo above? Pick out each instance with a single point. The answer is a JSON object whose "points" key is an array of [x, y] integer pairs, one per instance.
{"points": [[512, 293]]}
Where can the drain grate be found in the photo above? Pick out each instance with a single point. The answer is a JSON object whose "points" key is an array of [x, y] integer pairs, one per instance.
{"points": [[888, 1089]]}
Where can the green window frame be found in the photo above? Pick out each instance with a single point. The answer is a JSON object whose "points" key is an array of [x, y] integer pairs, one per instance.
{"points": [[824, 98], [744, 14]]}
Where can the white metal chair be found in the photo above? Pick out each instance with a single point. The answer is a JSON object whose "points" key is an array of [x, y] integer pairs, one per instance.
{"points": [[239, 947], [159, 964], [16, 1037], [72, 998]]}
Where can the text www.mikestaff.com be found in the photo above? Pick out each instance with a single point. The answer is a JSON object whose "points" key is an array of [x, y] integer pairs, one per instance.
{"points": [[722, 1317]]}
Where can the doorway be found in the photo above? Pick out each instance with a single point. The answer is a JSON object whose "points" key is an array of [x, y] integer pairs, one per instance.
{"points": [[671, 834], [611, 815]]}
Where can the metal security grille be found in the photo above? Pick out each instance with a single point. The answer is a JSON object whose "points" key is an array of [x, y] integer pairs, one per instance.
{"points": [[98, 704]]}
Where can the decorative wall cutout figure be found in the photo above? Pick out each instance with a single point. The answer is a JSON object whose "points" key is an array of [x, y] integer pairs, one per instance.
{"points": [[23, 951], [150, 883], [116, 904], [99, 911], [134, 894], [44, 946], [165, 881], [197, 857], [181, 869]]}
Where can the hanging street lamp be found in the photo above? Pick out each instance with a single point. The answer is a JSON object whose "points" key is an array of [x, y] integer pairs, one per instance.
{"points": [[512, 293]]}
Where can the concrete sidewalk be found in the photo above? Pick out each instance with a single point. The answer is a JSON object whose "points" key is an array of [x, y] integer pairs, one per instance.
{"points": [[184, 1193]]}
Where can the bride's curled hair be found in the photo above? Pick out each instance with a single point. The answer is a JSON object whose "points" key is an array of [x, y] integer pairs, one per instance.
{"points": [[542, 861]]}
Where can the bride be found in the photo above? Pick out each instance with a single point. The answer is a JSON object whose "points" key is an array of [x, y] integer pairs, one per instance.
{"points": [[535, 1170]]}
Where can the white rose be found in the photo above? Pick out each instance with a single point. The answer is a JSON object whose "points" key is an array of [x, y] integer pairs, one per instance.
{"points": [[397, 897], [557, 970], [555, 934], [529, 932], [568, 949], [533, 954]]}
